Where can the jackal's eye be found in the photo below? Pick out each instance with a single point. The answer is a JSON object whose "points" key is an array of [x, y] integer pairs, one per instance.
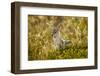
{"points": [[55, 31]]}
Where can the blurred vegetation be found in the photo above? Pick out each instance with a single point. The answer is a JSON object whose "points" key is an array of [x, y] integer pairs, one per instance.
{"points": [[40, 43]]}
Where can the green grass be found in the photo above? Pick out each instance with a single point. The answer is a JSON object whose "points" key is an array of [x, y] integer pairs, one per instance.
{"points": [[40, 43], [70, 53]]}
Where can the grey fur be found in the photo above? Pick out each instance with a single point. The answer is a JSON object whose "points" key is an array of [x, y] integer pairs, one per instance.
{"points": [[59, 42]]}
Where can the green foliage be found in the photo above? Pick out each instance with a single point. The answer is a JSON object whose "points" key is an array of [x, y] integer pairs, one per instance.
{"points": [[40, 43]]}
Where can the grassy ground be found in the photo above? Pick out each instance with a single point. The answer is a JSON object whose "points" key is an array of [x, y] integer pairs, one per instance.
{"points": [[40, 43]]}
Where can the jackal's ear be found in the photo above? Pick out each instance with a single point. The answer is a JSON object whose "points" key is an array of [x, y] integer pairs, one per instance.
{"points": [[58, 26]]}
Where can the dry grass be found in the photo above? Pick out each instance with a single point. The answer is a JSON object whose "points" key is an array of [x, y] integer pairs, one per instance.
{"points": [[40, 43]]}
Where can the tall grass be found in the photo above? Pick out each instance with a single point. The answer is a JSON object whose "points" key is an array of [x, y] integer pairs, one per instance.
{"points": [[40, 43]]}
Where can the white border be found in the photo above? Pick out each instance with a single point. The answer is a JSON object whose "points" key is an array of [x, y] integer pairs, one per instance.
{"points": [[25, 64]]}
